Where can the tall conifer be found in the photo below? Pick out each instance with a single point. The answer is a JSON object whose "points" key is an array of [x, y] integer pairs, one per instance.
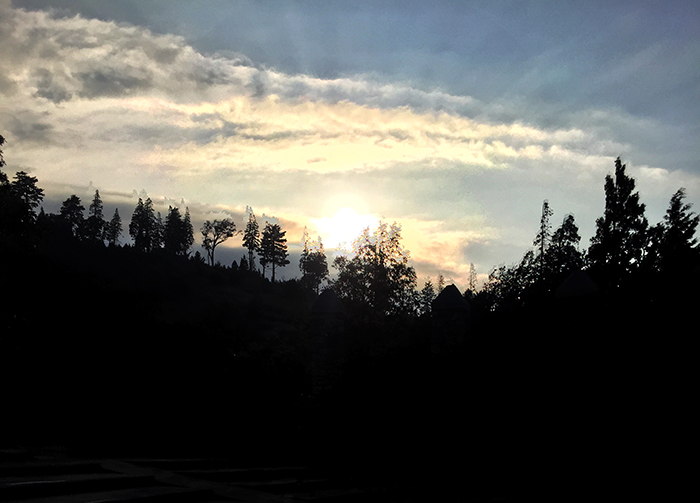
{"points": [[616, 249]]}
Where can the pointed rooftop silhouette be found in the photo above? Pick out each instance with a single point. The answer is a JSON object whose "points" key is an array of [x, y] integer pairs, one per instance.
{"points": [[450, 299]]}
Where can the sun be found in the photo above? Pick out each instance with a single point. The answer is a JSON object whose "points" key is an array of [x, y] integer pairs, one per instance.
{"points": [[343, 227]]}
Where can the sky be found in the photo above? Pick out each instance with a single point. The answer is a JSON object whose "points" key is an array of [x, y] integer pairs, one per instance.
{"points": [[455, 119]]}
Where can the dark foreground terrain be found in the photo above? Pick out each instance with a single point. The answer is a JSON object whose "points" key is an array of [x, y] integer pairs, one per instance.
{"points": [[50, 476], [128, 377]]}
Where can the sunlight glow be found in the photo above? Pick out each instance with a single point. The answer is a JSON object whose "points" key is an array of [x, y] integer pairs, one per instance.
{"points": [[343, 227]]}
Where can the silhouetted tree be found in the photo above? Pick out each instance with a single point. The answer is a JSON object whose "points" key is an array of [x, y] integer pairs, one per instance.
{"points": [[273, 247], [497, 286], [160, 231], [617, 248], [507, 286], [678, 245], [114, 228], [188, 231], [313, 263], [94, 225], [198, 258], [23, 191], [25, 188], [172, 231], [72, 213], [563, 255], [651, 262], [251, 239], [543, 239], [177, 232], [144, 226], [526, 271], [18, 201], [6, 204], [470, 292], [96, 207], [378, 274], [427, 296], [214, 233], [5, 193]]}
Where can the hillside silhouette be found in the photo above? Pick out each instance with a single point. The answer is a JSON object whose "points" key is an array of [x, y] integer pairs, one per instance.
{"points": [[148, 350]]}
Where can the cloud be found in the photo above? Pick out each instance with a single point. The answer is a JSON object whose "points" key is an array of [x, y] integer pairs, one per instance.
{"points": [[84, 100], [76, 57]]}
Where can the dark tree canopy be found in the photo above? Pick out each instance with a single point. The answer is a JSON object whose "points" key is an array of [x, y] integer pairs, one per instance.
{"points": [[617, 248], [426, 297], [178, 235], [678, 245], [144, 226], [72, 213], [507, 286], [96, 208], [378, 274], [273, 247], [94, 225], [2, 160], [543, 239], [214, 233], [188, 230], [251, 239], [18, 202], [25, 188], [472, 288], [313, 264], [160, 231], [114, 228], [563, 253]]}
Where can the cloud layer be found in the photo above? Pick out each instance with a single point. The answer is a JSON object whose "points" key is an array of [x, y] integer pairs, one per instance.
{"points": [[113, 104]]}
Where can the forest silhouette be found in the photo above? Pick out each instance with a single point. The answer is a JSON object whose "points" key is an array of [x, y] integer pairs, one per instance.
{"points": [[152, 348]]}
